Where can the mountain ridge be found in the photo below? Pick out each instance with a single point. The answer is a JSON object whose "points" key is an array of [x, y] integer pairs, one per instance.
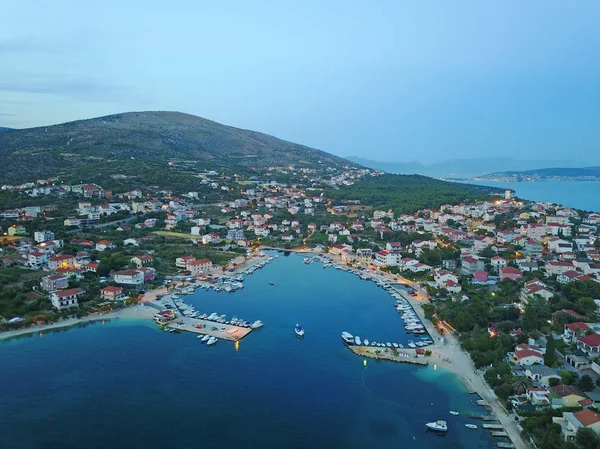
{"points": [[541, 174], [148, 136]]}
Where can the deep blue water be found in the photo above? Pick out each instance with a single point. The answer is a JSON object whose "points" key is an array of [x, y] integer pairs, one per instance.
{"points": [[126, 384], [578, 194]]}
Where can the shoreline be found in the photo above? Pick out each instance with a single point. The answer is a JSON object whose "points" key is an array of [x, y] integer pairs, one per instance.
{"points": [[138, 311]]}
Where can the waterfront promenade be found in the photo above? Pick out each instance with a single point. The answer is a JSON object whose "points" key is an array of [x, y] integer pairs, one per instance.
{"points": [[205, 327]]}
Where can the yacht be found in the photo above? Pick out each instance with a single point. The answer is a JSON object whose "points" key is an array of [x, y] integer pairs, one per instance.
{"points": [[348, 338], [205, 338], [470, 426], [357, 341], [211, 341], [437, 426], [256, 324], [299, 331]]}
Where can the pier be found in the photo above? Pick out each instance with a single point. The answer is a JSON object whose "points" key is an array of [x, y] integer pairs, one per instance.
{"points": [[394, 355], [199, 326], [493, 426], [500, 434], [505, 445]]}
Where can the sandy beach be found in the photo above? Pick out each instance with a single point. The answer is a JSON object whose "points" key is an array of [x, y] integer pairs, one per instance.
{"points": [[138, 311]]}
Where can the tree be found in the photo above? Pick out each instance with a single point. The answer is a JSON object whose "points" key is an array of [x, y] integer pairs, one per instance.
{"points": [[568, 377], [587, 438], [553, 381], [586, 383], [520, 384], [550, 355]]}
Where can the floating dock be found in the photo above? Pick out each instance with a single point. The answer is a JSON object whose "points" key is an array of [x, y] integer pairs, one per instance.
{"points": [[198, 326], [500, 434], [483, 417], [505, 445], [493, 426]]}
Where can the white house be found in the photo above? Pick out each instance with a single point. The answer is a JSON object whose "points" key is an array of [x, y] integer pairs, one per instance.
{"points": [[129, 277], [64, 299]]}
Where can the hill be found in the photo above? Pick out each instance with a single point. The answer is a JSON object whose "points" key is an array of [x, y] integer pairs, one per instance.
{"points": [[546, 174], [2, 129], [409, 193], [461, 168], [129, 142]]}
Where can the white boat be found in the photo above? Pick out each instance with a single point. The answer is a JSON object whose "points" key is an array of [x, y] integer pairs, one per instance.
{"points": [[256, 324], [395, 345], [437, 426], [348, 338], [411, 344], [357, 341], [200, 336], [453, 413], [470, 426], [388, 344], [205, 338], [366, 342], [299, 331], [211, 341]]}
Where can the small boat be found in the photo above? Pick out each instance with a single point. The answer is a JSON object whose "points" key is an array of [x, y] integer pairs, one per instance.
{"points": [[453, 413], [200, 336], [388, 344], [348, 338], [411, 344], [205, 339], [437, 426], [374, 343], [366, 342], [211, 341], [395, 345], [357, 341], [299, 331], [256, 324], [270, 283], [470, 426]]}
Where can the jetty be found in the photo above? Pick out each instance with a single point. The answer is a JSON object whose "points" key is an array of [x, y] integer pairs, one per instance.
{"points": [[198, 326], [493, 426], [500, 434], [483, 417], [394, 355], [505, 445]]}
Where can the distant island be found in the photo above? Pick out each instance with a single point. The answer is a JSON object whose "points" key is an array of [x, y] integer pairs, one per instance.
{"points": [[544, 174]]}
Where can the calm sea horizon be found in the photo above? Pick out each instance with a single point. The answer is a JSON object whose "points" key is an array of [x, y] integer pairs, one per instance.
{"points": [[578, 194], [126, 384]]}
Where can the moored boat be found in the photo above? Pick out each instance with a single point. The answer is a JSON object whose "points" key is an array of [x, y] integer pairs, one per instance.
{"points": [[357, 341], [256, 324], [211, 341], [347, 338], [470, 426], [453, 413]]}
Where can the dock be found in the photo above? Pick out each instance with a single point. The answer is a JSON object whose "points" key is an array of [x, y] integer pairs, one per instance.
{"points": [[505, 445], [393, 355], [482, 417], [198, 326], [500, 434], [493, 426]]}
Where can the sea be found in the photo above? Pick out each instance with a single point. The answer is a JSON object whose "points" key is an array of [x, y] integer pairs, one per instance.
{"points": [[127, 384], [583, 195]]}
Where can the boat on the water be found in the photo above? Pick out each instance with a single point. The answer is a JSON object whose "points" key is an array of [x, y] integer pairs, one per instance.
{"points": [[348, 338], [256, 324], [411, 344], [211, 341], [200, 336], [357, 341], [366, 341], [437, 426], [395, 345], [205, 339], [453, 413], [470, 426], [271, 283], [299, 331]]}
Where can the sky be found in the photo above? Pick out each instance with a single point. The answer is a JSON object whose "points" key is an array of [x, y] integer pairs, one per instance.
{"points": [[384, 80]]}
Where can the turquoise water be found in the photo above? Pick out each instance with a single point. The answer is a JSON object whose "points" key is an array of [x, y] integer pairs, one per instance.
{"points": [[126, 384], [578, 194]]}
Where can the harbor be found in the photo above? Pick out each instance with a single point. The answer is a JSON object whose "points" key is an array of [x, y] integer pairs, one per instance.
{"points": [[400, 356]]}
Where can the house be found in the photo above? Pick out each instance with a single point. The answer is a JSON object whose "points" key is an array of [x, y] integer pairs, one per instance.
{"points": [[129, 277], [480, 277], [141, 260], [63, 261], [37, 259], [54, 282], [529, 292], [103, 245], [571, 422], [571, 314], [510, 273], [148, 272], [64, 299], [111, 293], [470, 265], [527, 356], [570, 396], [181, 262], [538, 396], [211, 238], [533, 248], [570, 276], [364, 255], [573, 331], [201, 266], [43, 236], [542, 374], [499, 262], [590, 344], [556, 267]]}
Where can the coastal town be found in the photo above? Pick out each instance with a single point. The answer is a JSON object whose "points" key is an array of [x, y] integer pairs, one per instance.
{"points": [[514, 283]]}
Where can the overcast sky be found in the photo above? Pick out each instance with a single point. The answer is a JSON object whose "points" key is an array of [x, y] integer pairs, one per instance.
{"points": [[388, 80]]}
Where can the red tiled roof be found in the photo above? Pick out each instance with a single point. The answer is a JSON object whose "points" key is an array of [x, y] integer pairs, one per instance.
{"points": [[587, 417], [591, 340]]}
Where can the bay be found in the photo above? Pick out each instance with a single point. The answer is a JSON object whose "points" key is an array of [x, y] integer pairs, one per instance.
{"points": [[583, 195], [126, 384]]}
